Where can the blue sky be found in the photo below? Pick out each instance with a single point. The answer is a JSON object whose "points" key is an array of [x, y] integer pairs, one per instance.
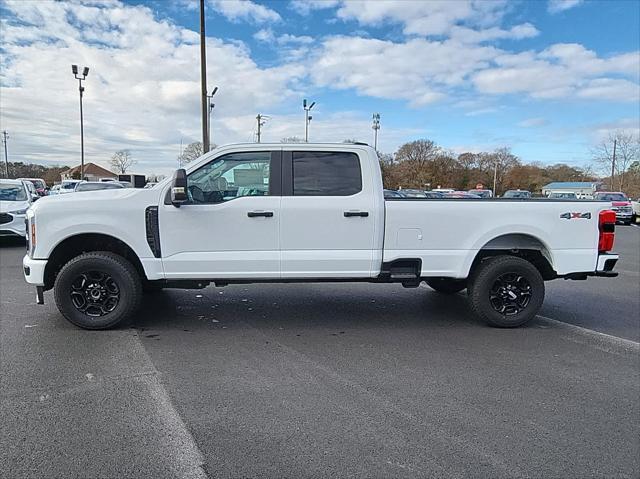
{"points": [[547, 78]]}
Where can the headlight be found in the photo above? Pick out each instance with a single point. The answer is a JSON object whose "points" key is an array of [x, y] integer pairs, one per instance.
{"points": [[30, 223], [19, 212]]}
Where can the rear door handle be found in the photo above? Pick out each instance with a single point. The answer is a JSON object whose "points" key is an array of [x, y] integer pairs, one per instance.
{"points": [[255, 214], [349, 214]]}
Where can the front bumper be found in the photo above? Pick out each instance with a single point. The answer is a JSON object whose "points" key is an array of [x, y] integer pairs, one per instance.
{"points": [[15, 227], [624, 216], [34, 270]]}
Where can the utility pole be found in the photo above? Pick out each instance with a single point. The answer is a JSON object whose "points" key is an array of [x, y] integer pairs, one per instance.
{"points": [[203, 80], [613, 162], [5, 135], [81, 78], [376, 127], [262, 119], [307, 118]]}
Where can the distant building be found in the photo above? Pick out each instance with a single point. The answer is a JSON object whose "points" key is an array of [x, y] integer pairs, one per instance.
{"points": [[580, 188], [92, 172]]}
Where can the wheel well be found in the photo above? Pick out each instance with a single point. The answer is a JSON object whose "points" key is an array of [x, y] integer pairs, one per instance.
{"points": [[83, 243], [521, 245]]}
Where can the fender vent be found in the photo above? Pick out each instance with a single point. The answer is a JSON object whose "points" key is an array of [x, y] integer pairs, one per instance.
{"points": [[153, 230]]}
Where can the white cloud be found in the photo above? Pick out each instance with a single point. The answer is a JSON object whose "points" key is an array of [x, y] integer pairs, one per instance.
{"points": [[468, 35], [533, 123], [391, 70], [560, 71], [556, 6], [304, 7], [433, 17], [142, 89], [268, 36], [247, 10]]}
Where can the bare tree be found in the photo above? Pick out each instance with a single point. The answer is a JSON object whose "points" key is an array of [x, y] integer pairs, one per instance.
{"points": [[291, 139], [121, 161], [192, 152], [627, 150]]}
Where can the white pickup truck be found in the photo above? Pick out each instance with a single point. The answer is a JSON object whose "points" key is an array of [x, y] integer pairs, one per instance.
{"points": [[305, 212]]}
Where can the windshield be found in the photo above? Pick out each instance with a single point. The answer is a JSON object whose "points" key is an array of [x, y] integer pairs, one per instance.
{"points": [[517, 194], [481, 193], [611, 197], [12, 192], [68, 185], [563, 195], [98, 186]]}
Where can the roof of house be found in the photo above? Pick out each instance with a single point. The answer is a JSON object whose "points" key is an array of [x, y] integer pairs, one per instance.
{"points": [[572, 184], [91, 169]]}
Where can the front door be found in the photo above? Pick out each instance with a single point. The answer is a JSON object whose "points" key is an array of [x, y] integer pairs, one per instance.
{"points": [[229, 228]]}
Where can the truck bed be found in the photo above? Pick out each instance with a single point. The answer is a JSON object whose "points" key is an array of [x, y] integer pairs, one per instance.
{"points": [[446, 234]]}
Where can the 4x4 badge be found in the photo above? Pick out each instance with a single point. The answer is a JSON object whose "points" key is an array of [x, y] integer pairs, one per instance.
{"points": [[570, 216]]}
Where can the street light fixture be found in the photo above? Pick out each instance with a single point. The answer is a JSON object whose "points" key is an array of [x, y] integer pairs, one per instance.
{"points": [[81, 78], [307, 118], [211, 107]]}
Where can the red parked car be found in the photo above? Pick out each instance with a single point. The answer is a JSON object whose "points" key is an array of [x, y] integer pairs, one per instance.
{"points": [[619, 203]]}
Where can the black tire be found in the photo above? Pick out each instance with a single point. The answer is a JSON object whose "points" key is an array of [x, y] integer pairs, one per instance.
{"points": [[114, 281], [492, 288], [447, 285]]}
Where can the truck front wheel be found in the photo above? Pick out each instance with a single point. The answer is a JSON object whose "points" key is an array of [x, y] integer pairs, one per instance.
{"points": [[97, 290], [447, 285], [506, 291]]}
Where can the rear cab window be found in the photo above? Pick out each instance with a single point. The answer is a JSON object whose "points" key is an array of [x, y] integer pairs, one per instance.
{"points": [[331, 173]]}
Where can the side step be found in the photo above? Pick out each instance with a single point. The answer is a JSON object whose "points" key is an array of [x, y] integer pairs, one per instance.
{"points": [[405, 271]]}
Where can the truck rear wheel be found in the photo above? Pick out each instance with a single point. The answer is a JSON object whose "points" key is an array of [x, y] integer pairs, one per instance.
{"points": [[506, 291], [447, 285], [97, 290]]}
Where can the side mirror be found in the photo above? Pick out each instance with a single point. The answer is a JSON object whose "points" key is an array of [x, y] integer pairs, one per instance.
{"points": [[179, 188]]}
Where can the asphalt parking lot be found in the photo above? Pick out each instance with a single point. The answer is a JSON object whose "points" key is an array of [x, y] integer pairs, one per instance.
{"points": [[328, 380]]}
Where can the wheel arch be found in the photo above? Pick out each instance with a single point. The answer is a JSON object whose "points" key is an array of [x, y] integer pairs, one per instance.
{"points": [[75, 245], [522, 245]]}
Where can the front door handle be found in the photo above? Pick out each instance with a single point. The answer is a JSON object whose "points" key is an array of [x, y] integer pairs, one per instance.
{"points": [[349, 214], [255, 214]]}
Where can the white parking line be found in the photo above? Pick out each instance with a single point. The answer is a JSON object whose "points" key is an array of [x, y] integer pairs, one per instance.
{"points": [[602, 340]]}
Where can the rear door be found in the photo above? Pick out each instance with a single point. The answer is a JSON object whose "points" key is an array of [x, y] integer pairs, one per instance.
{"points": [[327, 224]]}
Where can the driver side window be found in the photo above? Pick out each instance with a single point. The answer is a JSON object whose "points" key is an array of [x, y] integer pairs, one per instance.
{"points": [[230, 176]]}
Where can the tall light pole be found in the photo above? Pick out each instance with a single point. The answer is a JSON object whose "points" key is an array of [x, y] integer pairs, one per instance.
{"points": [[81, 78], [203, 80], [307, 118], [5, 135], [376, 127], [211, 106], [262, 119]]}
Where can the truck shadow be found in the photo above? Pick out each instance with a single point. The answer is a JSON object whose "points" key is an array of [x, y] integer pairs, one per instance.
{"points": [[304, 306]]}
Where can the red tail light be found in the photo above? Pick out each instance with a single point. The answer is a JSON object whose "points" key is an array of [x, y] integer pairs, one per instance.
{"points": [[607, 227]]}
